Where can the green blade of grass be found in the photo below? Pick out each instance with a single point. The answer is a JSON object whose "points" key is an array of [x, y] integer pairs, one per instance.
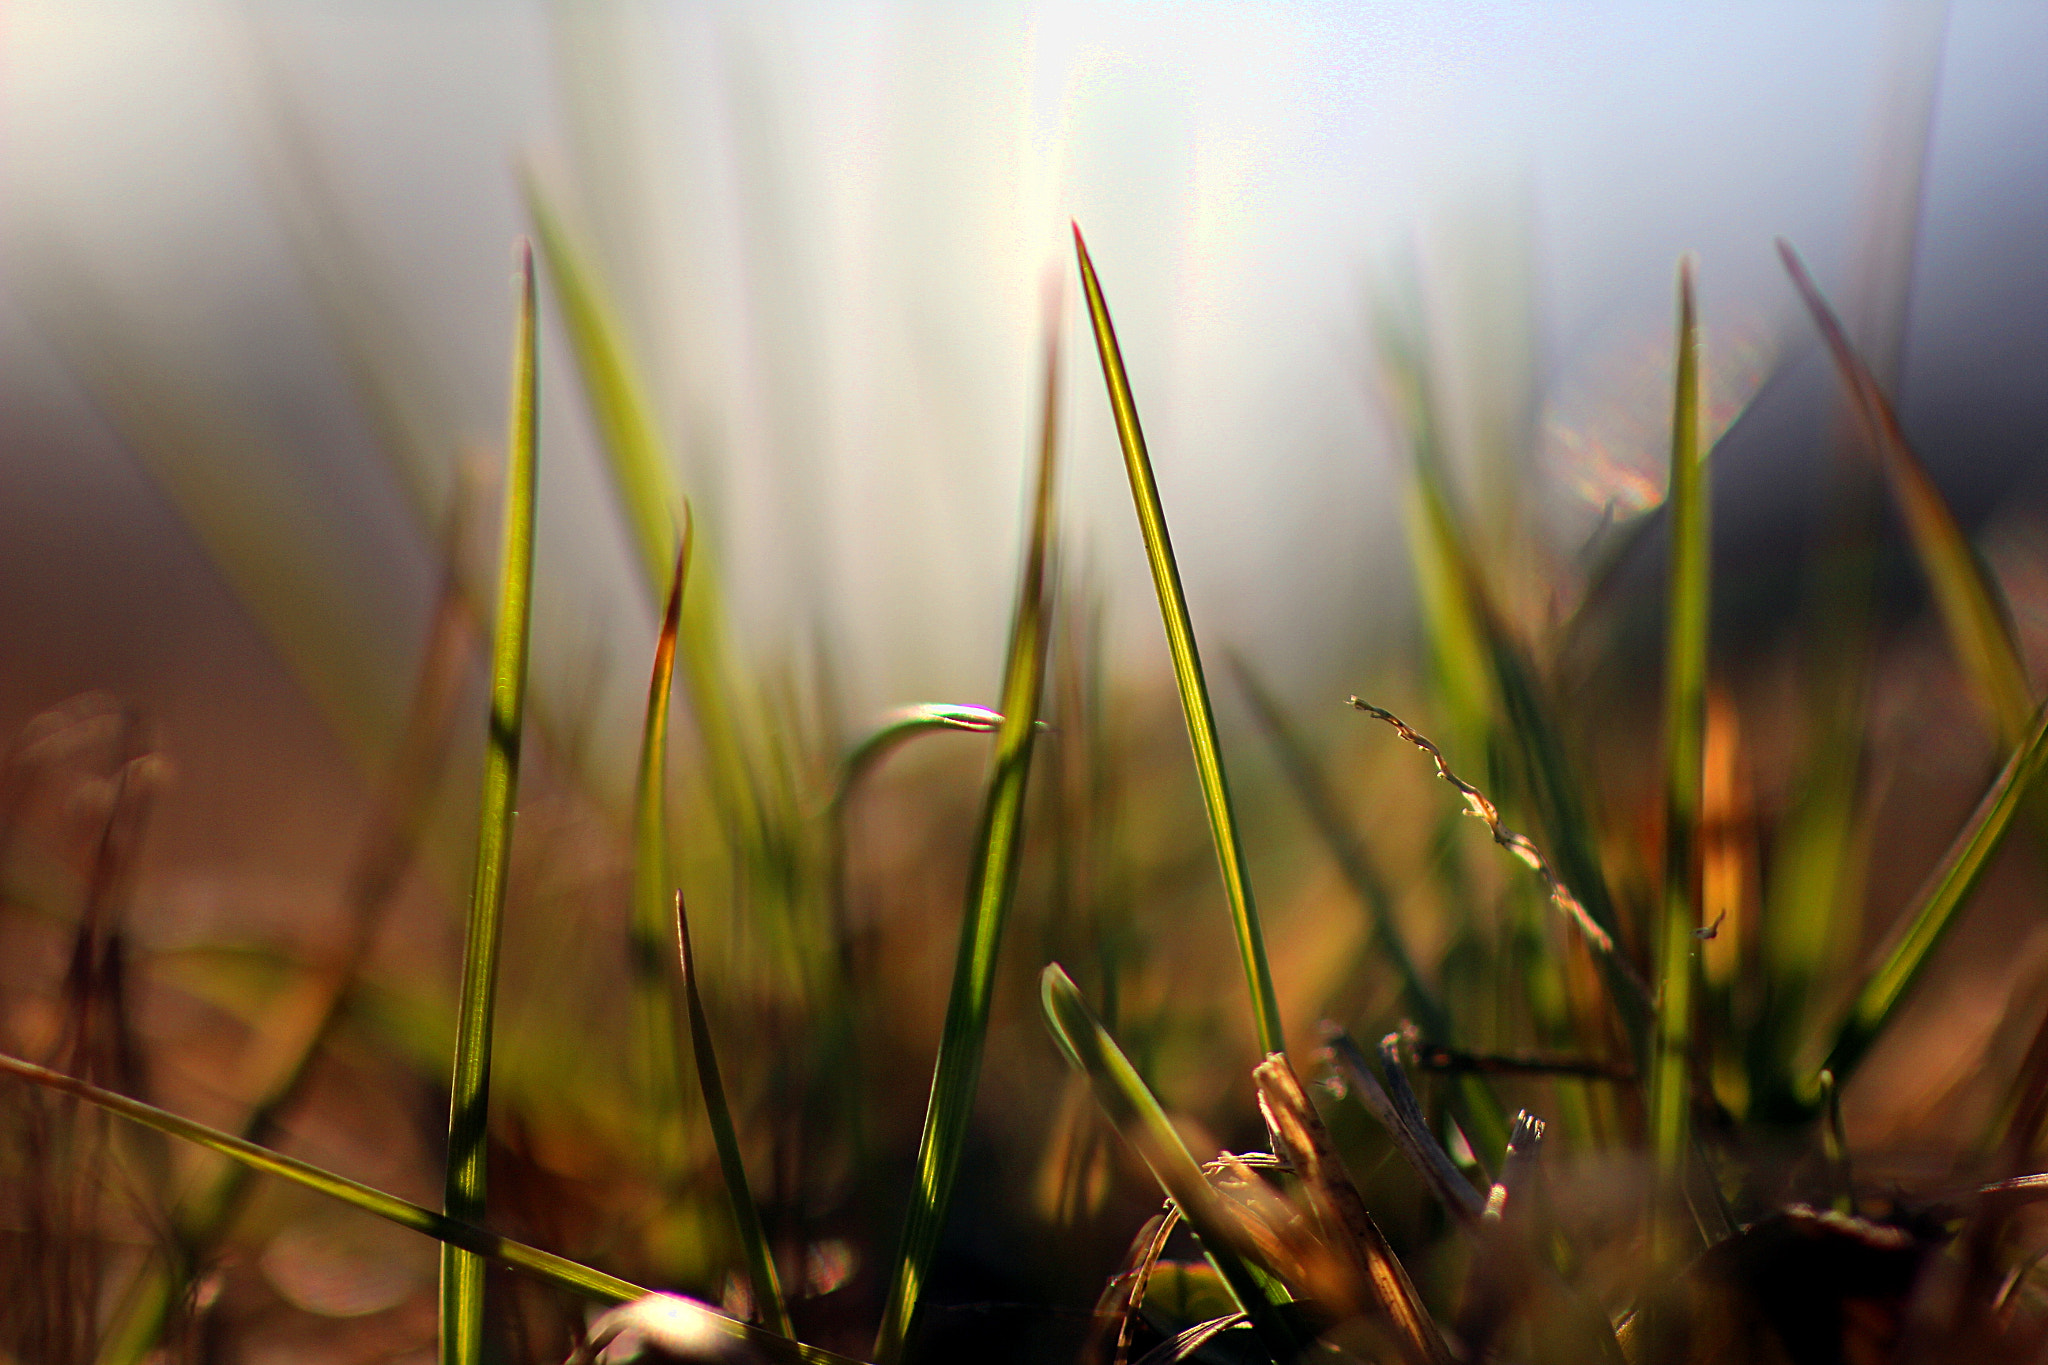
{"points": [[900, 725], [1972, 611], [1685, 684], [1187, 664], [991, 886], [1934, 910], [661, 944], [544, 1266], [462, 1272], [657, 1007], [767, 1287], [1135, 1112]]}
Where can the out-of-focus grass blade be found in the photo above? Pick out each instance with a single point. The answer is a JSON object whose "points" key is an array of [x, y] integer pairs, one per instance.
{"points": [[462, 1272], [545, 1266], [619, 402], [1131, 1106], [1934, 912], [1310, 784], [656, 1005], [631, 439], [1187, 664], [1685, 691], [1527, 723], [1972, 610], [1404, 1123], [767, 1286], [991, 886], [1504, 1264]]}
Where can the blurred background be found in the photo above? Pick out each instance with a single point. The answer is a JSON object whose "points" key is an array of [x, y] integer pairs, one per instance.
{"points": [[253, 330]]}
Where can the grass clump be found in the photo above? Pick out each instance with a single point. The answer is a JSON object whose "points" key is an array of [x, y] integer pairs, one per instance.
{"points": [[1604, 1120]]}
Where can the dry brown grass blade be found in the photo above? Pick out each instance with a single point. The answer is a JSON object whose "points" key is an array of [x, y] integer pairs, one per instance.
{"points": [[1381, 1287], [1480, 805], [1403, 1121], [1504, 1265]]}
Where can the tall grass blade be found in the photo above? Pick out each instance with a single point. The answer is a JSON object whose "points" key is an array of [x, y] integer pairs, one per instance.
{"points": [[1934, 910], [767, 1287], [1972, 611], [462, 1272], [991, 886], [1187, 664], [1135, 1112], [661, 944], [544, 1266], [657, 1004], [1685, 711]]}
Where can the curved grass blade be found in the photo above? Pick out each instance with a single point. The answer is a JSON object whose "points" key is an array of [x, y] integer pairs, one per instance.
{"points": [[462, 1272], [991, 886], [1685, 711], [1972, 611], [1135, 1112], [657, 1006], [1456, 592], [1934, 912], [1187, 664], [544, 1266], [898, 726]]}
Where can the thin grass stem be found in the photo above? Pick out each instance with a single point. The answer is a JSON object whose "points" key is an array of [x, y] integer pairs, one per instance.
{"points": [[462, 1272]]}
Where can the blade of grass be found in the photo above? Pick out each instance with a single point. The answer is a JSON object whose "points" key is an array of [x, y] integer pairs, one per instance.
{"points": [[1136, 1114], [1972, 610], [1187, 664], [1379, 1282], [657, 1006], [1685, 683], [900, 725], [630, 437], [991, 886], [544, 1266], [1934, 910], [1528, 730], [767, 1288], [656, 927], [462, 1272]]}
